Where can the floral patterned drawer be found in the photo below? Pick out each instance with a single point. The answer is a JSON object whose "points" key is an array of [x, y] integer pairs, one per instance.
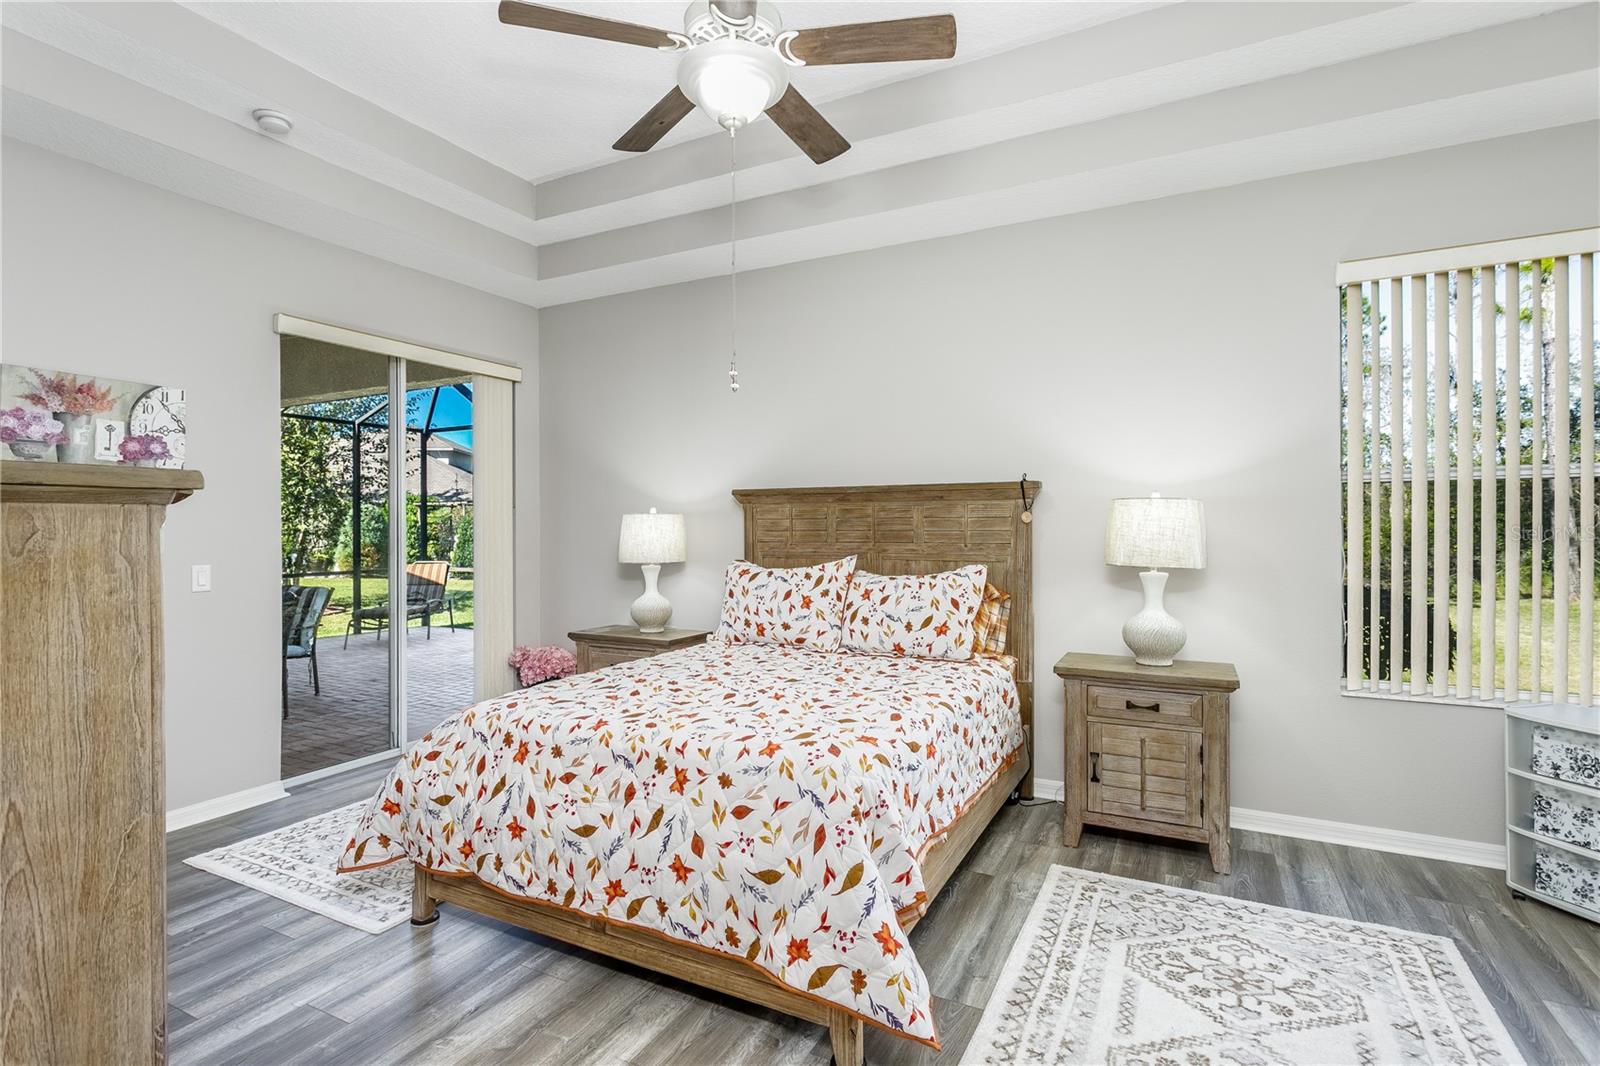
{"points": [[1567, 877], [1574, 819], [1565, 755]]}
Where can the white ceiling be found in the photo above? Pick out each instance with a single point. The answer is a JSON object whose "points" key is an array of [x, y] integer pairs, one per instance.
{"points": [[430, 135], [543, 104]]}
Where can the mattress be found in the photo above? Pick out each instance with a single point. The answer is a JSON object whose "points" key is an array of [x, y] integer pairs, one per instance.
{"points": [[765, 803]]}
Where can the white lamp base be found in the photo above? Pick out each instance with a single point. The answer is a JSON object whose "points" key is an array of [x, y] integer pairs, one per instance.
{"points": [[651, 610], [1153, 635]]}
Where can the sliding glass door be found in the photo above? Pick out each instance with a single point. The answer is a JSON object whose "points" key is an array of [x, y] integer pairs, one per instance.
{"points": [[386, 453]]}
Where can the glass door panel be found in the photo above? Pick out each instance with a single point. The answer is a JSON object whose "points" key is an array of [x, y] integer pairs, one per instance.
{"points": [[336, 536], [438, 649]]}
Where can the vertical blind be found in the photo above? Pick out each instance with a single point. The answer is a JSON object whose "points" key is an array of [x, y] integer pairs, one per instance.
{"points": [[492, 499], [1468, 401]]}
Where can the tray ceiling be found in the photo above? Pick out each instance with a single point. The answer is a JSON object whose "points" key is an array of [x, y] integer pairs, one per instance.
{"points": [[430, 135]]}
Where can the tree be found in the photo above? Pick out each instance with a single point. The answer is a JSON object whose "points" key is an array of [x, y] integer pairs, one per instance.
{"points": [[313, 502], [442, 532], [462, 555], [374, 540], [316, 457]]}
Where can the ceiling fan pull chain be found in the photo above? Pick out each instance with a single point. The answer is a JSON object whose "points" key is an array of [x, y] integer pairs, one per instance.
{"points": [[733, 258]]}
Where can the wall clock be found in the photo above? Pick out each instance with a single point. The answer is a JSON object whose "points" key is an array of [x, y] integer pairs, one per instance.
{"points": [[161, 411]]}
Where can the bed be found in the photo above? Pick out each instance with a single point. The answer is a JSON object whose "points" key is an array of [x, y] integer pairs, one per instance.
{"points": [[762, 821]]}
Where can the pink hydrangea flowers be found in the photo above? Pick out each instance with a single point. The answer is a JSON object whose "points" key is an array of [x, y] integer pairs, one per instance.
{"points": [[143, 446], [29, 424], [534, 665], [65, 394]]}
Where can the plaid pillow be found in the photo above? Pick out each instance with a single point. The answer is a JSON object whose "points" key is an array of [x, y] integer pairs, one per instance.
{"points": [[994, 618]]}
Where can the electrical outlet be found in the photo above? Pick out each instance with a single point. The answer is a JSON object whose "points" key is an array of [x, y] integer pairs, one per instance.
{"points": [[200, 578]]}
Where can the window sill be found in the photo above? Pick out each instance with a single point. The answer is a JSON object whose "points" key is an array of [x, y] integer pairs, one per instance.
{"points": [[1493, 703], [1498, 703]]}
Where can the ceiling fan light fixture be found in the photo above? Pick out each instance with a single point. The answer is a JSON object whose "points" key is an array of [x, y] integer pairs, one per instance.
{"points": [[732, 80]]}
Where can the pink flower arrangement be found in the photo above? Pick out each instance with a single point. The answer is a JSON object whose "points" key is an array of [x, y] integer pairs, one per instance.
{"points": [[143, 446], [534, 665], [65, 394], [29, 424]]}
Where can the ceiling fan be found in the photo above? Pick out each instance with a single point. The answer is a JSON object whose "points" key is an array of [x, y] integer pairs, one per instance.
{"points": [[736, 62]]}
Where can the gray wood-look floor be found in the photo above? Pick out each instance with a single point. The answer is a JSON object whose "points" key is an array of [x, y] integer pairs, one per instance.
{"points": [[256, 980]]}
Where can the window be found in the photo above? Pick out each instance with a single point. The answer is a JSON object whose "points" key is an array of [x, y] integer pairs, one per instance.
{"points": [[1468, 409]]}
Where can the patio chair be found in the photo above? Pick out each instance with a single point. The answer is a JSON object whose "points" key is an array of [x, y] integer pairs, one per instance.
{"points": [[425, 597], [302, 614]]}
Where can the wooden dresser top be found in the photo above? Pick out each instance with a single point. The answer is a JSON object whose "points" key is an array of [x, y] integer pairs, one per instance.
{"points": [[22, 480]]}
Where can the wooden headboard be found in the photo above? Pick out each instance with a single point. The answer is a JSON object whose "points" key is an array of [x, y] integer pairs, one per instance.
{"points": [[909, 529]]}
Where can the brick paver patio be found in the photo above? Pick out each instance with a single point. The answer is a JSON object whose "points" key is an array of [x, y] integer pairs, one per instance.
{"points": [[351, 716]]}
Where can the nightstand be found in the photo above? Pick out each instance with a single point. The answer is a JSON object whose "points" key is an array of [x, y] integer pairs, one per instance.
{"points": [[1147, 748], [607, 645]]}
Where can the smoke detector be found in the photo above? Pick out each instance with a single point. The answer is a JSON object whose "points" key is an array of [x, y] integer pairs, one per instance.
{"points": [[274, 122]]}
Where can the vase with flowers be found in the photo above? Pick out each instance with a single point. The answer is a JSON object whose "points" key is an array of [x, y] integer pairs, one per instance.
{"points": [[30, 432], [535, 666], [74, 403], [144, 449]]}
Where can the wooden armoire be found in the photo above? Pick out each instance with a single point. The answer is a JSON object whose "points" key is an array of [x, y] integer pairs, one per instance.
{"points": [[82, 844]]}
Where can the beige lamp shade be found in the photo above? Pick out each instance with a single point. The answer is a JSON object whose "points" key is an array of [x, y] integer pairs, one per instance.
{"points": [[1156, 532], [651, 538]]}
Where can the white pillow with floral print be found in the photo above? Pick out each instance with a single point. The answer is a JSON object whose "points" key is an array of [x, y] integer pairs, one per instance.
{"points": [[802, 606], [923, 616]]}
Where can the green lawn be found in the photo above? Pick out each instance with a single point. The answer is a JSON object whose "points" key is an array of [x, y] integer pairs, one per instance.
{"points": [[1547, 640], [375, 591]]}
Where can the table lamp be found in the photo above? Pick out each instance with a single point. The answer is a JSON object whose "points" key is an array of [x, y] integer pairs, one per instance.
{"points": [[1155, 532], [650, 540]]}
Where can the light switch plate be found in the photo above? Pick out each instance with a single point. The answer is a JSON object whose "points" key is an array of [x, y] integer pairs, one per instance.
{"points": [[200, 578]]}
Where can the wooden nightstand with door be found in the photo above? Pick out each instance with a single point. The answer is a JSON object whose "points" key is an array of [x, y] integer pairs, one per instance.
{"points": [[1147, 749]]}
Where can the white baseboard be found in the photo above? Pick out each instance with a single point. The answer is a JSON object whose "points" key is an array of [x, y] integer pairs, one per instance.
{"points": [[1046, 789], [1375, 838], [195, 813]]}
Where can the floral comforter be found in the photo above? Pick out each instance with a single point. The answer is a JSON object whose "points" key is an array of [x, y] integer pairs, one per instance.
{"points": [[762, 802]]}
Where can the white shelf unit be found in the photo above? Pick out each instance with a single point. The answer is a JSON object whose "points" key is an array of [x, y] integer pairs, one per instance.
{"points": [[1521, 840]]}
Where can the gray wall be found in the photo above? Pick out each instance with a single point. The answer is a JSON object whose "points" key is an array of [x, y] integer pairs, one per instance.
{"points": [[1187, 345], [109, 276]]}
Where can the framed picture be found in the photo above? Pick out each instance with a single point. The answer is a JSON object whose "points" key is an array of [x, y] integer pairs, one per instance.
{"points": [[64, 417]]}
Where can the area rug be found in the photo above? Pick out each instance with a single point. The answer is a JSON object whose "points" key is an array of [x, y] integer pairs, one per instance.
{"points": [[296, 864], [1108, 970]]}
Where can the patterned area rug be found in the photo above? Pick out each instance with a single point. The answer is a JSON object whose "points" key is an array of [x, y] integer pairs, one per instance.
{"points": [[1109, 970], [296, 864]]}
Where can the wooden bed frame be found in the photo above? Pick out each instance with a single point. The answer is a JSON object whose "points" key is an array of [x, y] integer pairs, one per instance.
{"points": [[891, 529]]}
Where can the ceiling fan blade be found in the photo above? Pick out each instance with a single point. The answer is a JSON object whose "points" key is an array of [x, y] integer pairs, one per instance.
{"points": [[667, 113], [929, 37], [806, 127], [539, 17]]}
